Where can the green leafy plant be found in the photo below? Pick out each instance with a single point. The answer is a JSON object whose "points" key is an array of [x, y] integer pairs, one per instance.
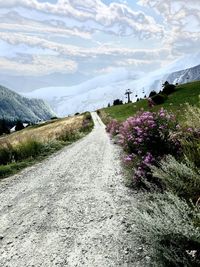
{"points": [[192, 116], [28, 149], [181, 178], [159, 99], [191, 148], [169, 228], [6, 154]]}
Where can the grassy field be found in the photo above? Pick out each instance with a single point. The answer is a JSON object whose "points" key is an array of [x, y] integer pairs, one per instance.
{"points": [[185, 93], [28, 146], [44, 132]]}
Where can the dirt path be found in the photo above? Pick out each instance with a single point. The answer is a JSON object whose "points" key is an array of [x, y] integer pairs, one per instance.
{"points": [[69, 210]]}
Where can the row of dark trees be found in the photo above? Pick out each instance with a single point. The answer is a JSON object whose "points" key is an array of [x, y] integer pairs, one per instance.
{"points": [[6, 125], [161, 97], [4, 128]]}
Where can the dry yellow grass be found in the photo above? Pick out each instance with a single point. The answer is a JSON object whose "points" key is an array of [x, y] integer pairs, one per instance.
{"points": [[44, 133]]}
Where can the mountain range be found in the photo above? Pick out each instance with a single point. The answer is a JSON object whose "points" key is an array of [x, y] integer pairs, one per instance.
{"points": [[98, 92], [14, 106]]}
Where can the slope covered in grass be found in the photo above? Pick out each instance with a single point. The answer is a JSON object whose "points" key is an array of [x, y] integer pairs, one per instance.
{"points": [[185, 93]]}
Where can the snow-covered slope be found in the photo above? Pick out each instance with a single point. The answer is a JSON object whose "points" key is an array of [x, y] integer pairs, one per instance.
{"points": [[182, 76], [100, 91], [89, 95]]}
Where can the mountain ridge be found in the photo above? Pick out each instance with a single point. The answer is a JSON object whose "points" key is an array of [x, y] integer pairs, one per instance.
{"points": [[13, 106]]}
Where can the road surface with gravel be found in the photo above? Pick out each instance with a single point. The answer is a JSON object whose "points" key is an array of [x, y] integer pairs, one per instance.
{"points": [[69, 210]]}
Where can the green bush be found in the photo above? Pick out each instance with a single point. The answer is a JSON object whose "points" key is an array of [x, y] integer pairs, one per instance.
{"points": [[6, 170], [181, 178], [51, 147], [190, 137], [69, 135], [159, 99], [87, 116], [168, 227], [29, 149], [6, 154], [87, 123], [168, 88], [191, 148], [192, 116], [152, 93]]}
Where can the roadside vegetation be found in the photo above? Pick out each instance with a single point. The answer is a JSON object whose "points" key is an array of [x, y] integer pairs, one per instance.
{"points": [[161, 146], [30, 145]]}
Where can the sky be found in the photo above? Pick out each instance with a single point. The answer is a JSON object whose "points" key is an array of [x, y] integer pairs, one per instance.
{"points": [[81, 39]]}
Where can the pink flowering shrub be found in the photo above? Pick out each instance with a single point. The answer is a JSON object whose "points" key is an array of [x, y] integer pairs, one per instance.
{"points": [[148, 137], [113, 127]]}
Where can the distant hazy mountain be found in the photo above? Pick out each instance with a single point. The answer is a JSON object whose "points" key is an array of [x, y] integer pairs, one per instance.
{"points": [[89, 95], [183, 76], [100, 91], [15, 106]]}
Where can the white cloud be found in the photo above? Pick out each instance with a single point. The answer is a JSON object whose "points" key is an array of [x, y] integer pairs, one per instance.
{"points": [[89, 36], [183, 42], [182, 20], [77, 51], [18, 21], [39, 65], [176, 12], [116, 18]]}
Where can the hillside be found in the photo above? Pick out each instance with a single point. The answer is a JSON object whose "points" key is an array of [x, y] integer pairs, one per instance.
{"points": [[185, 93], [43, 132], [14, 106], [101, 90]]}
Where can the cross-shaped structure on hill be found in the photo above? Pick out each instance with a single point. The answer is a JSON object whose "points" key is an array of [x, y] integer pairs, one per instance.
{"points": [[128, 93]]}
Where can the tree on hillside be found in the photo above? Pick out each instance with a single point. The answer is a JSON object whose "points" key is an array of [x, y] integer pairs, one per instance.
{"points": [[4, 129], [165, 84], [117, 102], [168, 88], [19, 126], [153, 93]]}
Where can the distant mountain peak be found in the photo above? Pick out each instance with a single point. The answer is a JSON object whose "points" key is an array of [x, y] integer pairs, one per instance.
{"points": [[14, 106]]}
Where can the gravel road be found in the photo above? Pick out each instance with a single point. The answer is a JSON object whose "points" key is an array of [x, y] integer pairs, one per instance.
{"points": [[69, 210]]}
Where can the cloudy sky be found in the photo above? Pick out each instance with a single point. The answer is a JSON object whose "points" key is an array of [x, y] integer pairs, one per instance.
{"points": [[86, 38]]}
